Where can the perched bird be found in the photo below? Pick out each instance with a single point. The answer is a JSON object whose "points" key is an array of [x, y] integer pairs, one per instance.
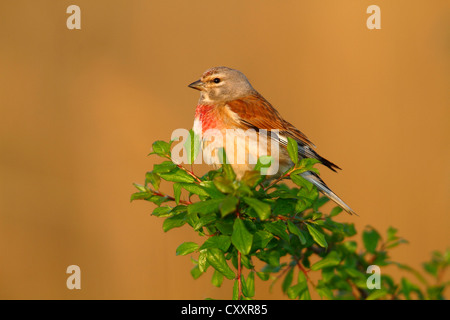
{"points": [[228, 101]]}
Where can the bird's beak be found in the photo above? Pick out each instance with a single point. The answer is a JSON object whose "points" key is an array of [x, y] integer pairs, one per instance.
{"points": [[197, 85]]}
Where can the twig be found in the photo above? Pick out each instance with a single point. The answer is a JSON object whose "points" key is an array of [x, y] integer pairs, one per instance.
{"points": [[281, 274], [239, 270], [160, 194], [192, 174], [305, 272], [274, 182], [440, 275], [239, 276]]}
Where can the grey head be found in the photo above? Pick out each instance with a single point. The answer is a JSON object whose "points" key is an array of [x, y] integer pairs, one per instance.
{"points": [[222, 84]]}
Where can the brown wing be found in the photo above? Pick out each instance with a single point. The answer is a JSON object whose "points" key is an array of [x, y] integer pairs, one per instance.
{"points": [[257, 113]]}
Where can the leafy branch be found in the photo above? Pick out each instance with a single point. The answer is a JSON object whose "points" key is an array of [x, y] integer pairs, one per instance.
{"points": [[284, 227]]}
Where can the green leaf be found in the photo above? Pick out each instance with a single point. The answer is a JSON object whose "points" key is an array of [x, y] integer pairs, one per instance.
{"points": [[158, 200], [417, 274], [273, 258], [153, 178], [318, 236], [302, 204], [263, 164], [217, 279], [177, 176], [301, 182], [241, 238], [177, 192], [228, 205], [264, 276], [431, 268], [328, 275], [395, 243], [335, 211], [192, 219], [262, 209], [370, 239], [162, 211], [164, 167], [349, 229], [140, 196], [202, 260], [284, 206], [392, 234], [140, 187], [331, 260], [186, 248], [225, 226], [295, 230], [316, 216], [249, 285], [251, 177], [261, 238], [287, 281], [204, 207], [211, 189], [192, 146], [223, 184], [195, 188], [219, 241], [320, 202], [303, 283], [293, 292], [160, 148], [299, 290], [217, 260], [308, 195], [357, 275], [308, 163], [278, 228], [377, 294], [227, 169], [204, 220], [292, 148], [350, 246], [195, 272], [324, 291], [174, 222], [229, 173]]}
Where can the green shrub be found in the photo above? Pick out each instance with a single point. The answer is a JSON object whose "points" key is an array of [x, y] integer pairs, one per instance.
{"points": [[285, 228]]}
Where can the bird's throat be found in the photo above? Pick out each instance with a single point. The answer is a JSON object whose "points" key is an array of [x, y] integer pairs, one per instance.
{"points": [[206, 115]]}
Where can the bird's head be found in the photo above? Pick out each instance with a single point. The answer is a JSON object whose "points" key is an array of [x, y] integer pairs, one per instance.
{"points": [[222, 84]]}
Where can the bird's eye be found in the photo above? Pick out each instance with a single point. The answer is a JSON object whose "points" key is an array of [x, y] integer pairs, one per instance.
{"points": [[216, 80]]}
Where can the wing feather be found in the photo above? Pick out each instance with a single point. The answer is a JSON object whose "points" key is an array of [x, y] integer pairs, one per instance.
{"points": [[257, 113]]}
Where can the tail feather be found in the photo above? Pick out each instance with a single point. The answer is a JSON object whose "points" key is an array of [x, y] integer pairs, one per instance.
{"points": [[307, 152], [315, 180]]}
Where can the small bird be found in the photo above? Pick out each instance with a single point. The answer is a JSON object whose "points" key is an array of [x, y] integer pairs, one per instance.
{"points": [[228, 101]]}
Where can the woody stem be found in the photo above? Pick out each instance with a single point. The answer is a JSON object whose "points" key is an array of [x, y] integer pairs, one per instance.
{"points": [[239, 269], [189, 173], [287, 174], [157, 193], [239, 278], [305, 272]]}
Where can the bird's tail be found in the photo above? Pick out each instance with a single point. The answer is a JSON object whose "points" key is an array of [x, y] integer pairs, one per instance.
{"points": [[315, 180]]}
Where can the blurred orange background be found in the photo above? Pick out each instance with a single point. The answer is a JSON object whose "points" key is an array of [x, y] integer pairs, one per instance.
{"points": [[81, 108]]}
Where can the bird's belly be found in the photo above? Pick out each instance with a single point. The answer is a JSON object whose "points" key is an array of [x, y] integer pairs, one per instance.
{"points": [[243, 149]]}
